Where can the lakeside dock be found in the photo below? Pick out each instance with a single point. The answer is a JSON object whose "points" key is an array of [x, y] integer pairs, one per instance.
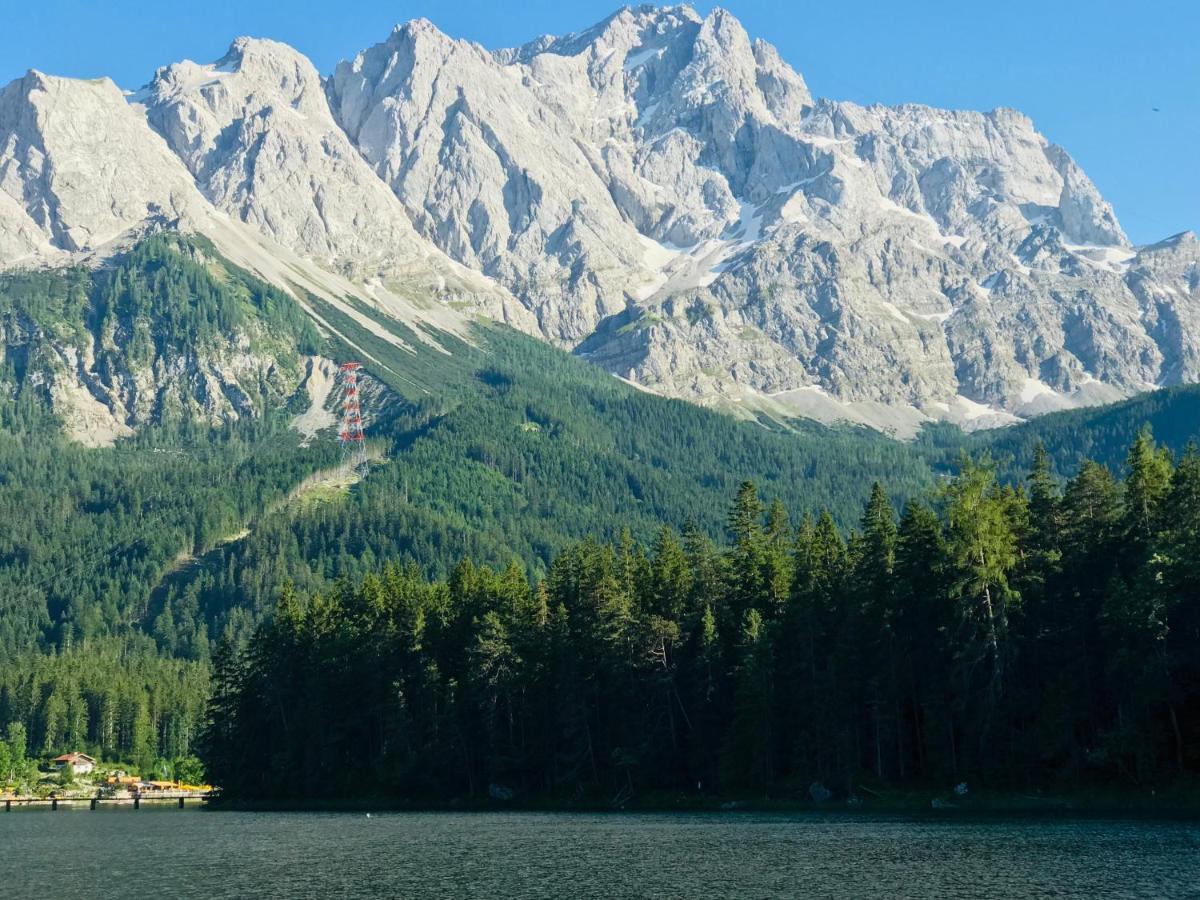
{"points": [[180, 798]]}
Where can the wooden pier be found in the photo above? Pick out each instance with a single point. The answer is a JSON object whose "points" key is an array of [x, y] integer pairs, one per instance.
{"points": [[136, 801]]}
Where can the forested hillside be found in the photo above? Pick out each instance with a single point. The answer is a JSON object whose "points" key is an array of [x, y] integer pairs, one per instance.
{"points": [[121, 566], [168, 335], [500, 449], [1015, 637], [1102, 434], [90, 531], [525, 455]]}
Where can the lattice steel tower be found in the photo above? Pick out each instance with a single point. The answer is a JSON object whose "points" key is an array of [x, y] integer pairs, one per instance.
{"points": [[354, 446]]}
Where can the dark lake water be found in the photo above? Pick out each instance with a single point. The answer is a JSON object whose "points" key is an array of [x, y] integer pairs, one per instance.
{"points": [[173, 853]]}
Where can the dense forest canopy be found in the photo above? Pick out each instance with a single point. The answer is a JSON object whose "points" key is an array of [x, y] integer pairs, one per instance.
{"points": [[1025, 636], [122, 568]]}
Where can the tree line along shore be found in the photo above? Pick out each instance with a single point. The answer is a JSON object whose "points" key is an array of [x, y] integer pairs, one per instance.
{"points": [[1021, 640]]}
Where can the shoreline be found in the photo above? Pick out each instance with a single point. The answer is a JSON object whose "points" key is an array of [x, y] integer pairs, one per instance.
{"points": [[94, 802], [935, 805]]}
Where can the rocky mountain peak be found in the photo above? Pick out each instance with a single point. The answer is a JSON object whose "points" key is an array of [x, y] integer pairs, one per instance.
{"points": [[621, 33], [83, 166], [1185, 240], [664, 191], [1085, 216], [256, 131], [288, 72], [660, 191]]}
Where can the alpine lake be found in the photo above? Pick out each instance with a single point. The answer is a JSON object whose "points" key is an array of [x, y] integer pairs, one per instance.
{"points": [[167, 852]]}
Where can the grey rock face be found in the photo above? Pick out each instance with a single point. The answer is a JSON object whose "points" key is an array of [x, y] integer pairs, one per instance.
{"points": [[244, 151], [665, 194], [256, 133], [556, 167], [660, 192], [1165, 279], [102, 391], [79, 168]]}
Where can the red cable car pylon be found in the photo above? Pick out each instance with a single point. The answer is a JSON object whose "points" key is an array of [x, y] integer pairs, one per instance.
{"points": [[354, 446]]}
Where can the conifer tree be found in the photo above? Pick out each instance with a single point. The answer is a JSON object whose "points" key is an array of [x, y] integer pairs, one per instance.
{"points": [[1146, 485], [983, 551]]}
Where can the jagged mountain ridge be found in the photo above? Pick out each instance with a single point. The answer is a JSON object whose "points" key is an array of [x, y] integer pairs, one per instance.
{"points": [[663, 194], [86, 178], [256, 133]]}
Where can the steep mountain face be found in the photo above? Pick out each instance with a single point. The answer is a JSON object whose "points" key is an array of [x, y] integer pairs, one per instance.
{"points": [[84, 177], [664, 193], [660, 193], [244, 151], [561, 167], [256, 133], [79, 169]]}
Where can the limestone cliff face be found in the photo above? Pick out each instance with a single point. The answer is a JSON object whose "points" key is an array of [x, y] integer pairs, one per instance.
{"points": [[664, 192], [245, 152], [102, 392], [660, 192], [79, 169], [255, 131]]}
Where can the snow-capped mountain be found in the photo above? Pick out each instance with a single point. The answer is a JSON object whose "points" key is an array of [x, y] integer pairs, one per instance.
{"points": [[660, 192]]}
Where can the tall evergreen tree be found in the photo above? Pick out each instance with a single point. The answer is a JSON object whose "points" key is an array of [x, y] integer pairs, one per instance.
{"points": [[983, 551]]}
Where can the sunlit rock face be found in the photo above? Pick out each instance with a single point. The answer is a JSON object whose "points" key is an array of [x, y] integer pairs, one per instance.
{"points": [[660, 192], [664, 193]]}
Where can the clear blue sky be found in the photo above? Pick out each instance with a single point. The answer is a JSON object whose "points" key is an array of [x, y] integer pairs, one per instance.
{"points": [[1089, 73]]}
